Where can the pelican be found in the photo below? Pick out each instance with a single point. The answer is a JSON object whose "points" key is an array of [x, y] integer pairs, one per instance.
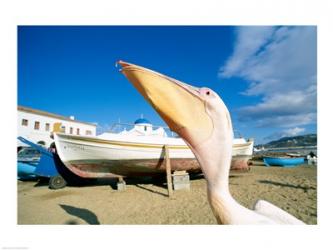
{"points": [[202, 119]]}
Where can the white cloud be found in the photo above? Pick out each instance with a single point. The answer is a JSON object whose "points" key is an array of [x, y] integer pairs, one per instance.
{"points": [[286, 120], [293, 131], [294, 108], [246, 48], [280, 63], [286, 133]]}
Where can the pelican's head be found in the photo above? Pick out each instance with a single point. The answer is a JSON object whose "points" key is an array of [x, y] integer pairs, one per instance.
{"points": [[193, 113], [198, 115]]}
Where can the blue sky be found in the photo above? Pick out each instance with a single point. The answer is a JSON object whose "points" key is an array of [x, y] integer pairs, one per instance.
{"points": [[266, 75]]}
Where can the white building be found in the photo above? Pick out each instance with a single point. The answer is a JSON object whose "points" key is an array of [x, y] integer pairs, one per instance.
{"points": [[144, 127], [36, 125]]}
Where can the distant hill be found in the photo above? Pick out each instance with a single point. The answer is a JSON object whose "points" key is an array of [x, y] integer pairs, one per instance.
{"points": [[294, 141]]}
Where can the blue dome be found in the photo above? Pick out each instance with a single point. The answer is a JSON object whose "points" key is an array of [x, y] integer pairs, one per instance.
{"points": [[141, 120]]}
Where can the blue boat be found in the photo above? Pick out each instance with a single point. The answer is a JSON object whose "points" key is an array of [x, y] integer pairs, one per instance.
{"points": [[27, 161], [25, 170], [283, 161], [37, 161]]}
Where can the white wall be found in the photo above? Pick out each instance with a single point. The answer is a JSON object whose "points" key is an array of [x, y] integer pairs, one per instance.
{"points": [[144, 128], [30, 133]]}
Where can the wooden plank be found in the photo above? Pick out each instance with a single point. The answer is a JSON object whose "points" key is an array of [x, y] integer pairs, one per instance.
{"points": [[168, 170]]}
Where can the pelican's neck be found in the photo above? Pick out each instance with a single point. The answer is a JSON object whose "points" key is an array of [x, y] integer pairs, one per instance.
{"points": [[214, 156], [221, 162], [220, 181]]}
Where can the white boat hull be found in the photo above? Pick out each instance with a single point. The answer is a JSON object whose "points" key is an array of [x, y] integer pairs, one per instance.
{"points": [[92, 157]]}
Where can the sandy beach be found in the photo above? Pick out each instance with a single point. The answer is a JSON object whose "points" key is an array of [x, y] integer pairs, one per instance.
{"points": [[145, 201]]}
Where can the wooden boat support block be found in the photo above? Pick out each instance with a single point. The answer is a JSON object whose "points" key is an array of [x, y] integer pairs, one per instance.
{"points": [[183, 172], [180, 186], [181, 180], [121, 185]]}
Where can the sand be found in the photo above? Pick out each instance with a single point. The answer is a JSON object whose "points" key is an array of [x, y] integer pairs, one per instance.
{"points": [[145, 201]]}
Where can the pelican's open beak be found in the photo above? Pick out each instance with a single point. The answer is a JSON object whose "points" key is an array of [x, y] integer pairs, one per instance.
{"points": [[180, 105]]}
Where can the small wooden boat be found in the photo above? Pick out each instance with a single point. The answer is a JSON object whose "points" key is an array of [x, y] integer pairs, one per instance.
{"points": [[27, 160], [95, 157], [37, 161], [283, 161], [25, 170], [136, 152]]}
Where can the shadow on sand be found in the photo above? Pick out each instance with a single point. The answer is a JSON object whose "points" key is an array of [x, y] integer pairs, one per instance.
{"points": [[305, 189], [150, 190], [81, 213], [42, 182], [140, 182]]}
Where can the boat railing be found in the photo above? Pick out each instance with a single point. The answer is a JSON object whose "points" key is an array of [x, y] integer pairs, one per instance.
{"points": [[121, 126], [237, 134]]}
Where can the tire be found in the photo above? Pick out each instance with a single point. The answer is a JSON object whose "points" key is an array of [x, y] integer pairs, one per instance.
{"points": [[57, 182]]}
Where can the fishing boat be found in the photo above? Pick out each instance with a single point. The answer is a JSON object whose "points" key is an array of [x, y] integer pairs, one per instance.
{"points": [[138, 151], [36, 161], [27, 160], [283, 161], [242, 152]]}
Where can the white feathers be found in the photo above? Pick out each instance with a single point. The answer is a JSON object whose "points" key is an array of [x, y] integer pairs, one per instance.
{"points": [[276, 214]]}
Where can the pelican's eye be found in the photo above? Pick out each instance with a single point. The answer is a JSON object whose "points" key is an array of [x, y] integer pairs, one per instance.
{"points": [[207, 92]]}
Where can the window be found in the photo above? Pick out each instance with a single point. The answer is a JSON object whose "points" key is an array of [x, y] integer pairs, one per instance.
{"points": [[47, 126], [37, 125], [88, 132], [77, 131], [63, 129], [71, 130], [24, 122], [145, 128]]}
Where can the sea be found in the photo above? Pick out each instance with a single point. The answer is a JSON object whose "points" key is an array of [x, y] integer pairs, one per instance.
{"points": [[303, 151]]}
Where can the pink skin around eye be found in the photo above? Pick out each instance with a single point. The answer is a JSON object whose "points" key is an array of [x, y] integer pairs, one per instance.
{"points": [[205, 91]]}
